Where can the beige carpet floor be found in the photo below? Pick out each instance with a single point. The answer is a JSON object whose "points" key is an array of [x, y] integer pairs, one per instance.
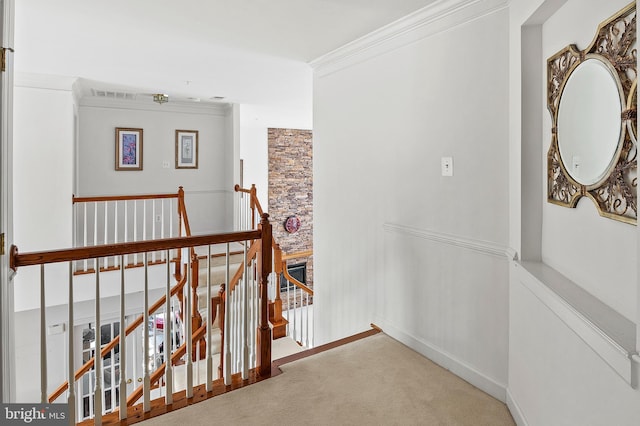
{"points": [[373, 381]]}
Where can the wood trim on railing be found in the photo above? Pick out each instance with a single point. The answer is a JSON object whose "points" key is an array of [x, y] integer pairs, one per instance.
{"points": [[281, 267], [87, 366], [255, 203], [297, 283], [91, 252], [300, 254], [75, 199]]}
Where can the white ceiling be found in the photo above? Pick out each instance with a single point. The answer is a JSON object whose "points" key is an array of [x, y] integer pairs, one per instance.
{"points": [[248, 51]]}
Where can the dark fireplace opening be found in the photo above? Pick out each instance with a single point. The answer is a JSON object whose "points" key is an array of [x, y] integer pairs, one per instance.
{"points": [[297, 271]]}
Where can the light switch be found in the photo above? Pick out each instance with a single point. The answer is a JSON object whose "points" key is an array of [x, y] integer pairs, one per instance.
{"points": [[447, 166]]}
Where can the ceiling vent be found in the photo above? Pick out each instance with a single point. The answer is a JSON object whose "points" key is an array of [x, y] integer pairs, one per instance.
{"points": [[113, 94]]}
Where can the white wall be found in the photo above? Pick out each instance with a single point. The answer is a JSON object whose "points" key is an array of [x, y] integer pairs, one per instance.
{"points": [[555, 378], [43, 167], [255, 120], [207, 193], [421, 255], [598, 254], [42, 181]]}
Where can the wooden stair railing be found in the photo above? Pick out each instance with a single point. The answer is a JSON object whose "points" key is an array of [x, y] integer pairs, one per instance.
{"points": [[130, 328], [276, 318], [183, 220], [199, 334], [104, 213], [73, 255]]}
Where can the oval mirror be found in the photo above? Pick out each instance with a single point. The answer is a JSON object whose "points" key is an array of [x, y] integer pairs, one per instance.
{"points": [[589, 121]]}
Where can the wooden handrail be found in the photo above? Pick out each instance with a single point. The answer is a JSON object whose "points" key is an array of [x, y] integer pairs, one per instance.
{"points": [[281, 267], [297, 255], [91, 252], [254, 198], [130, 328], [297, 283], [75, 199]]}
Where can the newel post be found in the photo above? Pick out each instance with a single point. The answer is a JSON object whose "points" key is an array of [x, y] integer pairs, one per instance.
{"points": [[275, 308], [264, 331]]}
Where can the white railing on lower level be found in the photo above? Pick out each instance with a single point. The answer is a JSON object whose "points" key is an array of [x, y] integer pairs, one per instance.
{"points": [[99, 220], [296, 300], [298, 311]]}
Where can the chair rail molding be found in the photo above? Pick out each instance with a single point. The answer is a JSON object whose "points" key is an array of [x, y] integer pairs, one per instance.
{"points": [[437, 17], [485, 247]]}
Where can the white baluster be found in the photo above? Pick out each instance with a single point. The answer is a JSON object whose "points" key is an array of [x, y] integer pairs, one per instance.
{"points": [[289, 325], [43, 341], [106, 222], [135, 228], [97, 392], [197, 363], [256, 319], [307, 311], [245, 319], [171, 211], [146, 404], [295, 299], [237, 350], [162, 204], [126, 221], [153, 225], [115, 233], [85, 232], [123, 346], [106, 228], [95, 223], [71, 380], [168, 335], [209, 354], [187, 319], [144, 220], [226, 368]]}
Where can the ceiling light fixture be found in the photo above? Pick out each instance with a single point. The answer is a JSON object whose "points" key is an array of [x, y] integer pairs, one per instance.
{"points": [[160, 98]]}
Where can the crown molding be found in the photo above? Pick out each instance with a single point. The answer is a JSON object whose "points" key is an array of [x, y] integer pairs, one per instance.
{"points": [[439, 16], [203, 108], [44, 81]]}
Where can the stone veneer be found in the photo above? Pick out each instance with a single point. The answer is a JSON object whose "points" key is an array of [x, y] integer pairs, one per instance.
{"points": [[291, 190]]}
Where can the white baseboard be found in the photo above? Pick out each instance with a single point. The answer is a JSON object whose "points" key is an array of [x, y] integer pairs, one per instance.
{"points": [[448, 361], [515, 410]]}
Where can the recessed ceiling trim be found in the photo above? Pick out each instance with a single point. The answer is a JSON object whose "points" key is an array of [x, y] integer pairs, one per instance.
{"points": [[113, 94], [204, 108]]}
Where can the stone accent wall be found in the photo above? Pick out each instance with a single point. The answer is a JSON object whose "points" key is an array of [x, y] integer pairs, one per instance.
{"points": [[291, 190]]}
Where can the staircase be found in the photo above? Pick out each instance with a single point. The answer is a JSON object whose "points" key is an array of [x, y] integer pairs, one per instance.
{"points": [[216, 315]]}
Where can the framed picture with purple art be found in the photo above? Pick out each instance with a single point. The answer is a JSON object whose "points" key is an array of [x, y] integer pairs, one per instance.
{"points": [[186, 149], [128, 149]]}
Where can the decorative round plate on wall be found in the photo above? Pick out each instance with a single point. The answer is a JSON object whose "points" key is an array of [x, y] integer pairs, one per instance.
{"points": [[292, 224]]}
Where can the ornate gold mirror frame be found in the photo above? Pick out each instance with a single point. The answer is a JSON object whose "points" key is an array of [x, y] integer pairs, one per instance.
{"points": [[615, 195]]}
